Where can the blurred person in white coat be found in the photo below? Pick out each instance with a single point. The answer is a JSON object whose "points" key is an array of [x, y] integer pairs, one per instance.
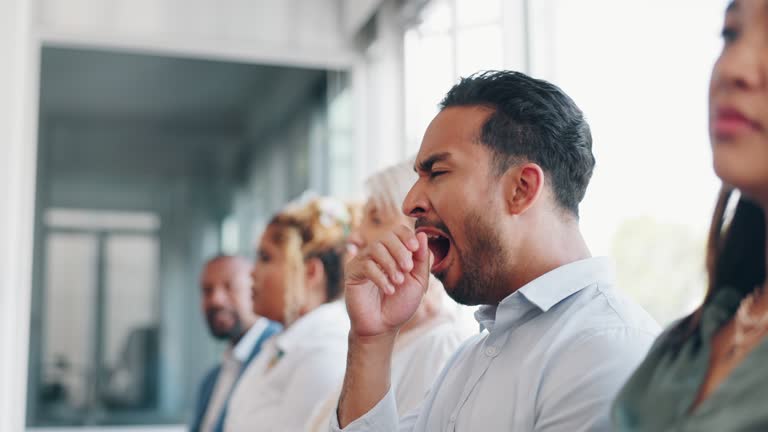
{"points": [[428, 340]]}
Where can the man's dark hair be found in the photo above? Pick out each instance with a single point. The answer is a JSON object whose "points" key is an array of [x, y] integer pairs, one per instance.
{"points": [[532, 121]]}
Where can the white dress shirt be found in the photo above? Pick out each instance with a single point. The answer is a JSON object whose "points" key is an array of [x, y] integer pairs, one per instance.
{"points": [[419, 355], [550, 357], [232, 362], [292, 373]]}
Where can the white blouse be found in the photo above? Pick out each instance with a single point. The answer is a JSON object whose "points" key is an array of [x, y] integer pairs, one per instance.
{"points": [[293, 371], [419, 356]]}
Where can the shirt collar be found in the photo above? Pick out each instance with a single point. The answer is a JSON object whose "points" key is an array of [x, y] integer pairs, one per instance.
{"points": [[244, 346], [549, 289], [316, 327]]}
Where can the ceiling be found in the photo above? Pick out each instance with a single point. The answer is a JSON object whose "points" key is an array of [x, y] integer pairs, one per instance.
{"points": [[116, 85]]}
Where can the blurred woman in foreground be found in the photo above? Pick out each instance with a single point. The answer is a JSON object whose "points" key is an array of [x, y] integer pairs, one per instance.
{"points": [[708, 372]]}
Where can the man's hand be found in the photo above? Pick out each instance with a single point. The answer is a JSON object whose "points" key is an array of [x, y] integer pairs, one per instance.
{"points": [[386, 282]]}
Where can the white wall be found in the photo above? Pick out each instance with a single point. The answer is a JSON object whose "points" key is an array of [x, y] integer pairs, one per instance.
{"points": [[355, 13], [378, 93], [17, 136]]}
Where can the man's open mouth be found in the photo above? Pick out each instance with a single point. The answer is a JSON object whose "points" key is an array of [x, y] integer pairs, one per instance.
{"points": [[440, 246]]}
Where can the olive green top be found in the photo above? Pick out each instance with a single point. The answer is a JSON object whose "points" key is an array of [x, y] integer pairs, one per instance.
{"points": [[659, 395]]}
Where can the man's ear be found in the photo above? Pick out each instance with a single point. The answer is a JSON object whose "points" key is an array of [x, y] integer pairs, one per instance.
{"points": [[522, 185]]}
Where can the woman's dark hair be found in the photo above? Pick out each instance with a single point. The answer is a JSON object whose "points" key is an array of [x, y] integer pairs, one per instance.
{"points": [[735, 257], [333, 263]]}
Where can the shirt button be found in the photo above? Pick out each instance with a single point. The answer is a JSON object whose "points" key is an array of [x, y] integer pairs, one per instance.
{"points": [[491, 351]]}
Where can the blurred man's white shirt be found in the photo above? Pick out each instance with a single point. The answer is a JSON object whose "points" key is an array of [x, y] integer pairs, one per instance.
{"points": [[232, 361]]}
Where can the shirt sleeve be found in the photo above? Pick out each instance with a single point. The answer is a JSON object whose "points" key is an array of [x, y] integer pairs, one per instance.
{"points": [[423, 366], [381, 418], [577, 391]]}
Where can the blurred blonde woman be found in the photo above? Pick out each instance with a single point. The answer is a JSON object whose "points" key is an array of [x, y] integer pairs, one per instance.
{"points": [[297, 281], [427, 341]]}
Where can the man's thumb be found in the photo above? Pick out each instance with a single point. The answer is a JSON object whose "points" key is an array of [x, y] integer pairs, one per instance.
{"points": [[422, 259]]}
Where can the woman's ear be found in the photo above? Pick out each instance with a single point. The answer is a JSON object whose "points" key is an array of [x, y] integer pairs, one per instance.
{"points": [[315, 280], [522, 185]]}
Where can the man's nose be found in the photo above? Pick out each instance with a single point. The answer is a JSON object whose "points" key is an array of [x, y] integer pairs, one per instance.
{"points": [[416, 203], [219, 296]]}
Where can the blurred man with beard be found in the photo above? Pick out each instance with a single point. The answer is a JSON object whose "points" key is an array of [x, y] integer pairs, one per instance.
{"points": [[228, 309]]}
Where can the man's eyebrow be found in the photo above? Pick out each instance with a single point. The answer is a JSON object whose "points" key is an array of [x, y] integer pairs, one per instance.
{"points": [[426, 164]]}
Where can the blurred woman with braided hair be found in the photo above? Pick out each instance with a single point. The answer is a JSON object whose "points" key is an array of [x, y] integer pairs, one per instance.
{"points": [[297, 281]]}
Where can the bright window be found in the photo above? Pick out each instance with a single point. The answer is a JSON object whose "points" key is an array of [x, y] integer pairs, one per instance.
{"points": [[455, 38], [640, 72]]}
